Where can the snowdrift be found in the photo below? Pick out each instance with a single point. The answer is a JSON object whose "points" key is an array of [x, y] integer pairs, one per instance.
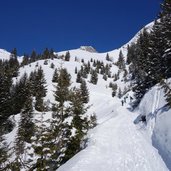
{"points": [[158, 117]]}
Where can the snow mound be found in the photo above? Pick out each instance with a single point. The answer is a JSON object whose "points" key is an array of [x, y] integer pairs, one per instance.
{"points": [[158, 116]]}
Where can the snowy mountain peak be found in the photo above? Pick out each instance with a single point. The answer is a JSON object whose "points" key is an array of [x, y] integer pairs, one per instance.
{"points": [[88, 49]]}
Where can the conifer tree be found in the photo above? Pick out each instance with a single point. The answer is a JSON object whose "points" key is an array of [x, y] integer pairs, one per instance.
{"points": [[79, 77], [94, 77], [121, 61], [51, 54], [40, 90], [46, 54], [67, 56], [60, 113], [62, 89], [84, 91], [5, 96], [13, 63], [19, 93], [27, 115], [114, 90], [55, 76], [107, 57], [79, 122], [32, 81], [84, 71], [165, 25], [52, 65], [25, 60], [44, 146], [105, 77], [33, 56], [45, 62], [14, 53]]}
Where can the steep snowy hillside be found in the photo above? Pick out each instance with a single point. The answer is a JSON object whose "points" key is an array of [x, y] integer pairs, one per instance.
{"points": [[120, 141], [116, 143]]}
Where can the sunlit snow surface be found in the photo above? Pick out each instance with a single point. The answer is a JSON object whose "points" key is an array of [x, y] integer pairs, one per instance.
{"points": [[116, 144]]}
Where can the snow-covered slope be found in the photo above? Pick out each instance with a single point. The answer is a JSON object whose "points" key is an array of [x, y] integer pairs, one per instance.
{"points": [[116, 143], [4, 55]]}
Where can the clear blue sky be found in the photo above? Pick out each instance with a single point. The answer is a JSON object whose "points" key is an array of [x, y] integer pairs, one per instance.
{"points": [[68, 24]]}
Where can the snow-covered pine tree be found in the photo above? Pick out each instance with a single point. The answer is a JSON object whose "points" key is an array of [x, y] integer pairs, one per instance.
{"points": [[43, 145], [25, 131], [80, 124]]}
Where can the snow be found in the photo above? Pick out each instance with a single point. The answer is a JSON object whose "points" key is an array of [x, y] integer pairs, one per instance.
{"points": [[10, 137], [88, 48], [116, 143], [4, 55], [158, 121]]}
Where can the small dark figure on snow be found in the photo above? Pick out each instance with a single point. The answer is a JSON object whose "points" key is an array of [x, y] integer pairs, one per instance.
{"points": [[131, 99], [143, 118], [122, 102]]}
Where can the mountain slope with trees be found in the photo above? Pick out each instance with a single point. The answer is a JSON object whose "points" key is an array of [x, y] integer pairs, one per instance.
{"points": [[50, 103]]}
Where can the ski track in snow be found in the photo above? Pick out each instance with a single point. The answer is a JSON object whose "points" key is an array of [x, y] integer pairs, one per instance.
{"points": [[117, 145]]}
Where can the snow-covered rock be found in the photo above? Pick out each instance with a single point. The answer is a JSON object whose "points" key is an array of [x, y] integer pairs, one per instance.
{"points": [[88, 49]]}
